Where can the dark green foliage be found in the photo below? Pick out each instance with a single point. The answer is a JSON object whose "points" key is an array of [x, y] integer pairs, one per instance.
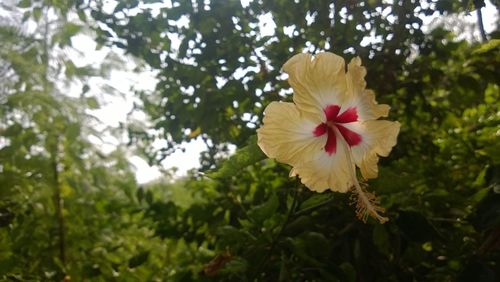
{"points": [[436, 185]]}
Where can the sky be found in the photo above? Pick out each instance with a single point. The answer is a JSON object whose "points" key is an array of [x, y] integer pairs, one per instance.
{"points": [[123, 82], [116, 107]]}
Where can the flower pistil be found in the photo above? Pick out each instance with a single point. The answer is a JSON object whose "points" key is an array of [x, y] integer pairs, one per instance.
{"points": [[333, 126]]}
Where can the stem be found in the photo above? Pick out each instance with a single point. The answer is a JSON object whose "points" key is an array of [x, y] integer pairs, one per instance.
{"points": [[484, 38], [59, 205]]}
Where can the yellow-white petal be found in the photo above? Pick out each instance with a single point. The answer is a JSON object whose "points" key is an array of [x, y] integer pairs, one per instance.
{"points": [[317, 81], [335, 172], [287, 136], [359, 97], [378, 138]]}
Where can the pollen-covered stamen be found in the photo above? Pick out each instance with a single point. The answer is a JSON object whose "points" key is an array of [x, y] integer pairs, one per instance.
{"points": [[333, 123]]}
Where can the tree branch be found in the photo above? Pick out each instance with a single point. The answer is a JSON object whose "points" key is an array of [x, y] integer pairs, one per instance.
{"points": [[484, 38]]}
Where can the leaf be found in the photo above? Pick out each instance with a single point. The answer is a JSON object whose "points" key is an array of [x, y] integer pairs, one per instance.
{"points": [[24, 4], [315, 200], [478, 272], [149, 197], [487, 213], [284, 275], [82, 15], [381, 239], [235, 266], [92, 103], [195, 133], [241, 159], [300, 224], [63, 36], [37, 13], [349, 270], [6, 217], [231, 235], [140, 194], [73, 132], [138, 259], [312, 247], [415, 226], [490, 45], [264, 211], [316, 244]]}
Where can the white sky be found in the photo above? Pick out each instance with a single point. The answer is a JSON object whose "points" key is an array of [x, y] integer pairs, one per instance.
{"points": [[125, 81], [115, 108]]}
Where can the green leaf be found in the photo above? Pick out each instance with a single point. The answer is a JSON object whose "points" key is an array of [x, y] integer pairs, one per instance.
{"points": [[73, 132], [232, 236], [92, 103], [349, 271], [64, 34], [478, 271], [316, 244], [486, 47], [241, 159], [138, 259], [415, 226], [301, 223], [37, 13], [381, 239], [316, 200], [140, 194], [487, 212], [284, 275], [82, 15], [149, 197], [24, 4], [235, 265], [264, 211]]}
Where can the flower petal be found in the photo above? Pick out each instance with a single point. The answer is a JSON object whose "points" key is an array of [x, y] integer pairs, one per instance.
{"points": [[378, 138], [325, 171], [359, 97], [317, 81], [288, 137]]}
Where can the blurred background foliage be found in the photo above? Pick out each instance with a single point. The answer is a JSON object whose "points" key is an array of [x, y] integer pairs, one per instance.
{"points": [[68, 211]]}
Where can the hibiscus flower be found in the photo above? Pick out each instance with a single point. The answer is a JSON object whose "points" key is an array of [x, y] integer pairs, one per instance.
{"points": [[330, 128]]}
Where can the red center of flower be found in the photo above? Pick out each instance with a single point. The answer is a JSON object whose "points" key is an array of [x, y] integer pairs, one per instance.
{"points": [[334, 121]]}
